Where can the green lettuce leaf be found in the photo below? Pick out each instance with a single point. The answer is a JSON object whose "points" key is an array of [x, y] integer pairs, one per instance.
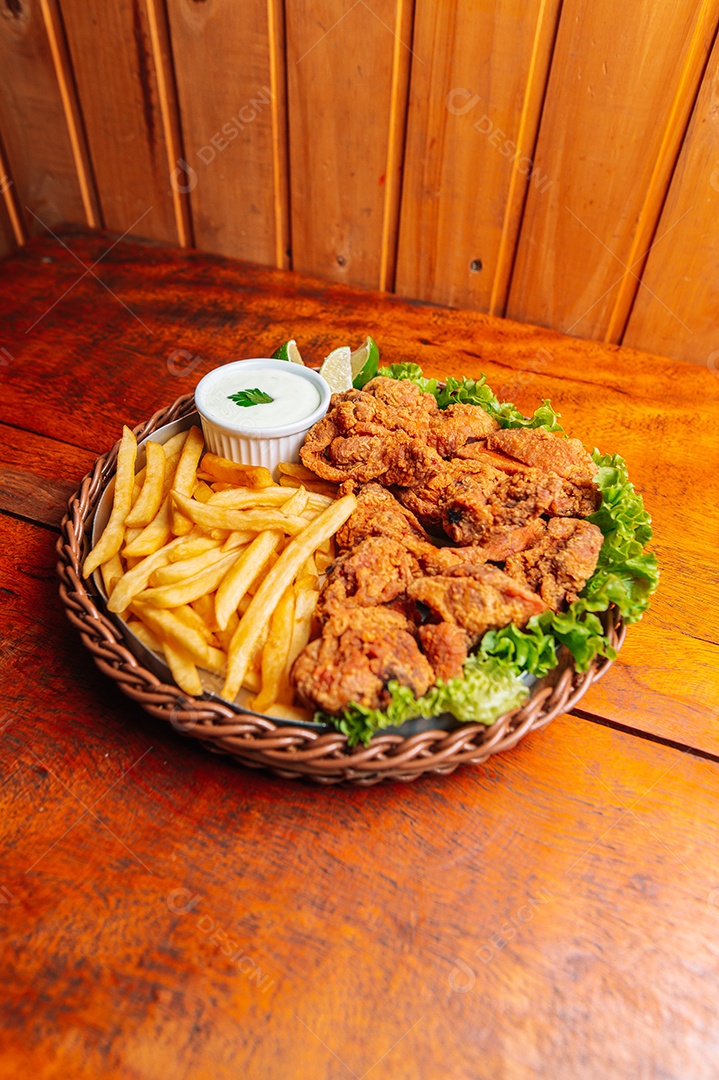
{"points": [[487, 689], [626, 575], [475, 392]]}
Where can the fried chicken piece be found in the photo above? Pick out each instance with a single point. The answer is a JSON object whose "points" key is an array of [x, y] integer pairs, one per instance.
{"points": [[361, 650], [409, 461], [410, 408], [368, 433], [553, 453], [350, 441], [450, 429], [547, 450], [427, 497], [479, 504], [377, 570], [477, 598], [379, 514], [503, 541], [445, 646], [559, 563], [477, 451]]}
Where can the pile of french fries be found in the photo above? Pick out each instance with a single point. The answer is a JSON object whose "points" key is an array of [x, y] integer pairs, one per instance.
{"points": [[214, 565]]}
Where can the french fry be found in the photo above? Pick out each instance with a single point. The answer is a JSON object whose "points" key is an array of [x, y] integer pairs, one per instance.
{"points": [[114, 532], [220, 517], [146, 636], [193, 544], [305, 604], [184, 592], [271, 560], [252, 682], [150, 497], [280, 576], [203, 492], [158, 531], [173, 447], [111, 571], [190, 617], [294, 468], [155, 536], [136, 579], [130, 535], [240, 498], [225, 635], [238, 539], [310, 567], [297, 503], [291, 712], [205, 608], [317, 487], [274, 654], [323, 561], [166, 626], [253, 476], [186, 568], [241, 576], [185, 479], [183, 669]]}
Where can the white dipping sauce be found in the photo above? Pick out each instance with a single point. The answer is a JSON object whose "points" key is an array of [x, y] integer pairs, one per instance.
{"points": [[294, 398]]}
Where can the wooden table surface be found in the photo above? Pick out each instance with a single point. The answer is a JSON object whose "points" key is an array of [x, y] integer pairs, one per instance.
{"points": [[166, 913]]}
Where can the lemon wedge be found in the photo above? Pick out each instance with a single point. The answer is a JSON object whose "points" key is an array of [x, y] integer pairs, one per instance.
{"points": [[337, 369], [288, 351]]}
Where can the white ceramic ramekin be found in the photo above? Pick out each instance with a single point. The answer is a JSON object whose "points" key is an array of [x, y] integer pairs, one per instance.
{"points": [[244, 441]]}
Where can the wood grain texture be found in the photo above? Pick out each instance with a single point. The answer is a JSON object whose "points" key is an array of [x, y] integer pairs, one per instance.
{"points": [[676, 310], [90, 364], [38, 475], [347, 71], [233, 125], [44, 147], [616, 108], [113, 53], [474, 111]]}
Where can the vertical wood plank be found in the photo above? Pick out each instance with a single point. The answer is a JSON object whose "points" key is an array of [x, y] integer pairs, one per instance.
{"points": [[113, 54], [676, 311], [347, 72], [44, 147], [230, 79], [473, 116], [622, 84]]}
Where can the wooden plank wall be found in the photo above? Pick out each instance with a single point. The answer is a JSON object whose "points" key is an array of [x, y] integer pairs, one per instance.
{"points": [[556, 161]]}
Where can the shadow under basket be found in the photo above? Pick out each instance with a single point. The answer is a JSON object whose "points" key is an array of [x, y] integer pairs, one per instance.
{"points": [[286, 749]]}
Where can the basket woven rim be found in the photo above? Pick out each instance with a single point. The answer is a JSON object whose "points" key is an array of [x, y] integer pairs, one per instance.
{"points": [[287, 751]]}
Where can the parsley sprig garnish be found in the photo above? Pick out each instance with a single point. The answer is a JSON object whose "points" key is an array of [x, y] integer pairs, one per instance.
{"points": [[250, 397]]}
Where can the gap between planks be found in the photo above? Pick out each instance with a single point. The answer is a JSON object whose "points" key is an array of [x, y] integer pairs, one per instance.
{"points": [[615, 725]]}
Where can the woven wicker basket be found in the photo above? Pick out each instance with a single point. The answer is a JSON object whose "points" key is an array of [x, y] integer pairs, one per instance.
{"points": [[286, 750]]}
